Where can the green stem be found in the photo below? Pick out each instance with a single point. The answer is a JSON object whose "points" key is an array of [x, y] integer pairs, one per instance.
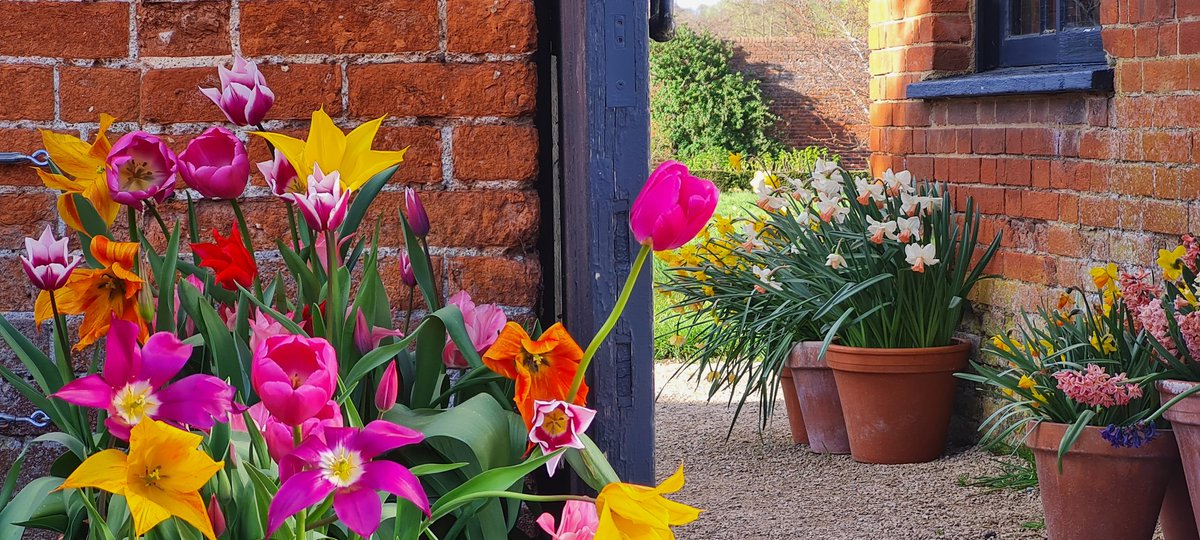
{"points": [[292, 227], [241, 222], [334, 293], [320, 511], [437, 297], [408, 314], [60, 327], [611, 322], [153, 210], [301, 517]]}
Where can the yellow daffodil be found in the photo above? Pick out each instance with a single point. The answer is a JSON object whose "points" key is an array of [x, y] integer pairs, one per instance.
{"points": [[350, 155], [700, 276], [735, 161], [1007, 392], [1065, 301], [1046, 346], [1104, 344], [1038, 398], [1026, 383], [1186, 292], [723, 224], [161, 476], [999, 344], [1105, 277], [630, 512], [712, 376], [708, 290], [1171, 262], [676, 340], [84, 174]]}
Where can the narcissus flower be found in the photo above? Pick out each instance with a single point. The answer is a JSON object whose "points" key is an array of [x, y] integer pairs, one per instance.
{"points": [[1104, 277], [1171, 262], [878, 230], [46, 261], [483, 323], [835, 261], [244, 96], [228, 257], [100, 294], [350, 155], [160, 478], [324, 202], [898, 182], [579, 522], [83, 165], [543, 368], [672, 208], [558, 424], [342, 466], [134, 384], [920, 256], [735, 161], [215, 164], [632, 512], [279, 174], [295, 376], [141, 167]]}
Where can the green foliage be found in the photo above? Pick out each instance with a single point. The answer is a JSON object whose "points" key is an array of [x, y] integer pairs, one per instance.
{"points": [[699, 104], [714, 164]]}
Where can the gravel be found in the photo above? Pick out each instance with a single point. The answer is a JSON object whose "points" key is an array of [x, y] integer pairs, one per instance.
{"points": [[769, 488]]}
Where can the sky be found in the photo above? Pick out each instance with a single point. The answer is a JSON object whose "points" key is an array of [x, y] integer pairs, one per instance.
{"points": [[695, 3]]}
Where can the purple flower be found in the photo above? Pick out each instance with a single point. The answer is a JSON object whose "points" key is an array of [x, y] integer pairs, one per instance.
{"points": [[244, 96], [418, 220], [406, 270], [215, 164], [48, 265], [139, 167], [1131, 436], [279, 174], [324, 205]]}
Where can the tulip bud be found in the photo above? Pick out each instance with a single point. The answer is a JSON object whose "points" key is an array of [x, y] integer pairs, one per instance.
{"points": [[406, 270], [279, 173], [140, 167], [244, 96], [672, 208], [418, 220], [215, 516], [325, 203], [48, 265], [216, 164], [389, 388], [362, 334]]}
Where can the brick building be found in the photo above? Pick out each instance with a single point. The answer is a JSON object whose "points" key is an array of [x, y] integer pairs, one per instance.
{"points": [[1081, 155]]}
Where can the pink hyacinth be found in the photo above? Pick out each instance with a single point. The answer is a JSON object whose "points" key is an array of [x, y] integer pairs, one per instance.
{"points": [[579, 522], [135, 384], [325, 203], [46, 261], [672, 208], [1095, 388], [1192, 251], [1138, 290], [483, 323], [295, 376], [244, 96], [1153, 320], [558, 424], [343, 465], [279, 437], [1189, 328]]}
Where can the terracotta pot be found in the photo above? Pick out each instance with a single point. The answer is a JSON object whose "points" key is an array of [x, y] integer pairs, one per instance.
{"points": [[1185, 422], [794, 413], [818, 395], [1102, 493], [1177, 519], [897, 402]]}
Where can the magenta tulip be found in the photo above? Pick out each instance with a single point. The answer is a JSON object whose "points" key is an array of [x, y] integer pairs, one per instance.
{"points": [[672, 208], [140, 167], [215, 164], [281, 177], [343, 465], [279, 437], [389, 388], [135, 384], [557, 424], [325, 203], [418, 220], [483, 323], [295, 376], [48, 264], [216, 517], [244, 96], [406, 270], [579, 522], [367, 336]]}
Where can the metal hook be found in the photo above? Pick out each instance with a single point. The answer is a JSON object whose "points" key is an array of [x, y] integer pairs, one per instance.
{"points": [[40, 158], [38, 419]]}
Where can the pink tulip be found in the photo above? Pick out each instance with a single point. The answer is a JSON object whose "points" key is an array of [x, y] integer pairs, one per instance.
{"points": [[48, 264], [279, 437], [579, 522], [418, 220], [406, 270], [557, 424], [295, 376], [368, 337], [389, 388], [244, 96], [343, 466], [281, 177], [140, 167], [263, 326], [216, 517], [483, 327], [325, 203], [133, 384], [672, 208], [216, 164]]}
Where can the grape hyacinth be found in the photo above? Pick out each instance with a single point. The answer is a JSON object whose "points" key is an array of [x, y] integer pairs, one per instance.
{"points": [[1132, 436]]}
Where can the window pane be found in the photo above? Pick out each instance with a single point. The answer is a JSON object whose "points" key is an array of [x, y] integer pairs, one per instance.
{"points": [[1081, 13], [1029, 17]]}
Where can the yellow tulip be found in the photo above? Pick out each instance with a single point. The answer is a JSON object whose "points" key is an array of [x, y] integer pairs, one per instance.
{"points": [[161, 476], [351, 155], [630, 512], [84, 174]]}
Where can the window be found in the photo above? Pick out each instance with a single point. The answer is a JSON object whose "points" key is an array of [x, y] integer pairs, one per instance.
{"points": [[1014, 33]]}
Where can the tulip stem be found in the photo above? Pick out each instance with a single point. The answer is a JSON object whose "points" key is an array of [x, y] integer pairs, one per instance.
{"points": [[60, 327], [158, 217], [301, 517], [437, 297], [241, 221], [412, 292], [611, 322], [292, 227], [332, 301]]}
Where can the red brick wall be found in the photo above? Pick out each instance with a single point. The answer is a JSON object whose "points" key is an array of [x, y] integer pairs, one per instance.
{"points": [[455, 77], [1073, 179]]}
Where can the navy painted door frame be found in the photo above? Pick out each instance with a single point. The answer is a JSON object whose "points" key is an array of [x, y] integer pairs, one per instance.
{"points": [[603, 142]]}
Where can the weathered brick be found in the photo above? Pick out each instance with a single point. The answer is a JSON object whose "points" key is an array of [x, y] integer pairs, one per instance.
{"points": [[87, 92], [64, 29], [423, 160], [192, 28], [490, 89], [173, 95], [496, 280], [491, 26], [495, 153], [23, 216], [27, 92], [512, 217], [338, 26]]}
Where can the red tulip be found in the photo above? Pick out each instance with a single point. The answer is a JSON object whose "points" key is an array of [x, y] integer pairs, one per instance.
{"points": [[227, 256], [672, 208]]}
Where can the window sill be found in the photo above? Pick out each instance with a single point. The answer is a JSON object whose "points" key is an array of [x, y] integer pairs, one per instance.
{"points": [[1022, 80]]}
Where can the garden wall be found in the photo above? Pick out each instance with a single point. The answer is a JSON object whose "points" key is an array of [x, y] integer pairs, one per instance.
{"points": [[455, 78]]}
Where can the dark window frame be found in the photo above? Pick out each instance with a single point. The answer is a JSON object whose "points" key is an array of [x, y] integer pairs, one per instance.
{"points": [[998, 49]]}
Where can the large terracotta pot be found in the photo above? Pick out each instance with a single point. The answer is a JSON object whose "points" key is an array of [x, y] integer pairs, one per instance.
{"points": [[1177, 519], [794, 413], [1185, 422], [1102, 493], [818, 395], [897, 402]]}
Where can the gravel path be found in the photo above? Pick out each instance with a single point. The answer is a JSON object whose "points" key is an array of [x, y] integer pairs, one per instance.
{"points": [[772, 489]]}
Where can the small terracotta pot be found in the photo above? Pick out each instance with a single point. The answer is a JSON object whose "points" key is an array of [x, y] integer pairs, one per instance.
{"points": [[1102, 493], [818, 395], [1185, 422], [897, 402], [794, 413]]}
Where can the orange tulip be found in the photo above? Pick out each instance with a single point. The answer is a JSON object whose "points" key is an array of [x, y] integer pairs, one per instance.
{"points": [[543, 368], [100, 294]]}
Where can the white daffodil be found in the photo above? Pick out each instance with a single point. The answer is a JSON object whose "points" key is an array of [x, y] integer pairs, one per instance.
{"points": [[920, 256], [826, 186], [752, 242], [879, 229], [898, 182], [835, 261], [830, 209], [766, 277], [766, 186], [908, 229], [825, 169], [868, 191]]}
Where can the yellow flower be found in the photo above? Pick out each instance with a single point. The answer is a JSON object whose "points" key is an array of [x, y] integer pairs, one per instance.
{"points": [[999, 344], [700, 276], [1104, 344], [1171, 262], [1026, 383], [735, 161], [160, 478], [83, 165], [676, 340], [1038, 398], [712, 376], [708, 290], [630, 512], [1105, 277], [1186, 292], [351, 155], [1007, 392], [1046, 346], [724, 224]]}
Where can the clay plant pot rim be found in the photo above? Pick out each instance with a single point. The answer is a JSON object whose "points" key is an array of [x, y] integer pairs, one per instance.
{"points": [[1175, 386], [1047, 436], [1186, 410], [947, 358], [798, 358]]}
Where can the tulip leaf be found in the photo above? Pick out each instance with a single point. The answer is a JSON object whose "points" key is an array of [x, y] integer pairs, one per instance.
{"points": [[491, 481], [374, 359], [305, 278], [218, 341], [165, 274], [25, 504], [436, 468], [10, 479], [282, 319], [421, 265], [591, 465], [362, 201], [92, 223]]}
